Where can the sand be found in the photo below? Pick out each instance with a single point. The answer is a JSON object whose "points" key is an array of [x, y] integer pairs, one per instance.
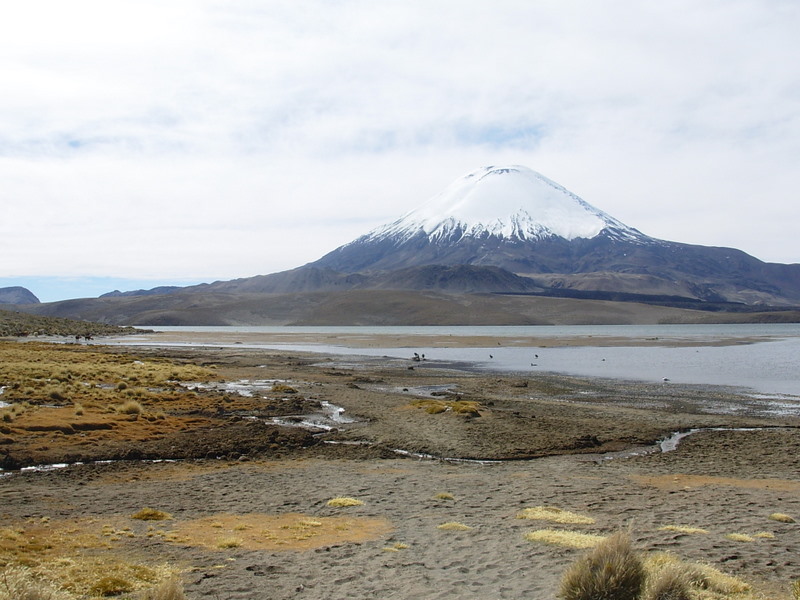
{"points": [[256, 522]]}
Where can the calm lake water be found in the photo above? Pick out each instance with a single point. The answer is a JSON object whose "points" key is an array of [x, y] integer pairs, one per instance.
{"points": [[769, 367]]}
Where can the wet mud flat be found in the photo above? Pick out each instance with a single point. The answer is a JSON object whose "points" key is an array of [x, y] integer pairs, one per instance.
{"points": [[248, 455]]}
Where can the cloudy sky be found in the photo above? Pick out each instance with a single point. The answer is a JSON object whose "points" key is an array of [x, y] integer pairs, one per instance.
{"points": [[155, 142]]}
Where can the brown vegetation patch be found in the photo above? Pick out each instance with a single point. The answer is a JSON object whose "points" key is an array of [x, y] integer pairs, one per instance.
{"points": [[130, 406], [84, 557], [293, 531], [680, 481], [460, 407]]}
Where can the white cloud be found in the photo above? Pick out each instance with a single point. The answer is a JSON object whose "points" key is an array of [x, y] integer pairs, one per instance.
{"points": [[226, 139]]}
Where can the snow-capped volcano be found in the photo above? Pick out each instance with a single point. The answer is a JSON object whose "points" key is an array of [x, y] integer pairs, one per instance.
{"points": [[512, 202], [514, 219], [505, 216]]}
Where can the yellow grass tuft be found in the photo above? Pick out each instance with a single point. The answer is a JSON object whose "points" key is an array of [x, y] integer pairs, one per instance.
{"points": [[396, 547], [796, 589], [555, 515], [570, 539], [309, 523], [151, 514], [229, 542], [453, 526], [764, 535], [682, 529], [781, 518], [344, 501], [444, 496], [18, 583], [714, 583], [169, 589], [740, 537], [671, 583], [129, 407]]}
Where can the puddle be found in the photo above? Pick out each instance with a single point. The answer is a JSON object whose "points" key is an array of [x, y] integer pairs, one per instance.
{"points": [[59, 466], [243, 387], [668, 444], [331, 417], [422, 391]]}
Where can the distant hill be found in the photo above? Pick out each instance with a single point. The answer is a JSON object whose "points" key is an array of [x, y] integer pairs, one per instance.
{"points": [[383, 307], [16, 324], [17, 295], [164, 289]]}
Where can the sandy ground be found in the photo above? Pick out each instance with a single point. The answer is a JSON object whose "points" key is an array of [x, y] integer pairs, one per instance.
{"points": [[560, 443]]}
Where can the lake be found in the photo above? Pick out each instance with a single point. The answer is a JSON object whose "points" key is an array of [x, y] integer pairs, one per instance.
{"points": [[764, 358]]}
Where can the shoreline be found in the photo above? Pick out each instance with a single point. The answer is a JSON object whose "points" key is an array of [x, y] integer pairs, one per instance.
{"points": [[411, 341]]}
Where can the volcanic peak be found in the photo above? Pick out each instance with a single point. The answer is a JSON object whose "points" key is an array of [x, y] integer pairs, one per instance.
{"points": [[511, 202]]}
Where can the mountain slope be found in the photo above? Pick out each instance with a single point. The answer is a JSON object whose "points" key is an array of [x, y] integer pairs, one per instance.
{"points": [[518, 220]]}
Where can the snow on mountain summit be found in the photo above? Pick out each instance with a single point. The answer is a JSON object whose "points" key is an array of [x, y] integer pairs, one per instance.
{"points": [[508, 202]]}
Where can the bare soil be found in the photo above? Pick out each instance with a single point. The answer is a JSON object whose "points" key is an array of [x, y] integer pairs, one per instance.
{"points": [[248, 497]]}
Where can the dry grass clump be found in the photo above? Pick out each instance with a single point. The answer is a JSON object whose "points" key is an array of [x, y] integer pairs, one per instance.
{"points": [[396, 547], [110, 586], [570, 539], [614, 571], [611, 571], [129, 407], [151, 514], [344, 501], [229, 542], [796, 589], [19, 583], [444, 496], [555, 515], [459, 407], [453, 526], [169, 589], [282, 388], [781, 518], [682, 529], [672, 583], [740, 537], [704, 581]]}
